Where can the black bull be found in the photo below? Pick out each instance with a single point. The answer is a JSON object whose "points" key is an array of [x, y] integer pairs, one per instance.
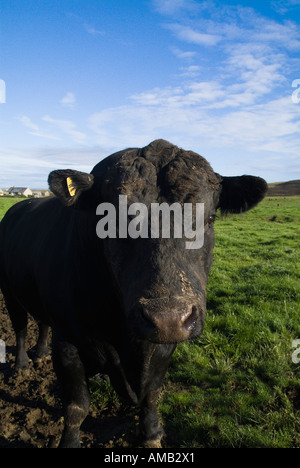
{"points": [[116, 305]]}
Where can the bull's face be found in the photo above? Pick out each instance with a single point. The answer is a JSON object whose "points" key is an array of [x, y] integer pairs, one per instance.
{"points": [[162, 284], [159, 271]]}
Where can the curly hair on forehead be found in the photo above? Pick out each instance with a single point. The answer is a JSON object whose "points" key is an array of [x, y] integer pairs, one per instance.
{"points": [[158, 172], [161, 170]]}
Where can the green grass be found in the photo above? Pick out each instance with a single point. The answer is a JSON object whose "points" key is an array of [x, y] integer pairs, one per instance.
{"points": [[237, 386], [6, 203]]}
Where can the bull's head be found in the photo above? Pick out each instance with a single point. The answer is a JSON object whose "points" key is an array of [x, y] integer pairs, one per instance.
{"points": [[162, 283]]}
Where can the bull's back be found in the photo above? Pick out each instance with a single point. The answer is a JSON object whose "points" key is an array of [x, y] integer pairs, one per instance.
{"points": [[50, 262], [24, 232], [32, 247]]}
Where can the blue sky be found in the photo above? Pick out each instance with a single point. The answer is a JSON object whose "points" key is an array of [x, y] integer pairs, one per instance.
{"points": [[86, 78]]}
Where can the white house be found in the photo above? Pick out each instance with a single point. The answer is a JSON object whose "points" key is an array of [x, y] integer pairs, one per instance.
{"points": [[20, 191], [40, 193]]}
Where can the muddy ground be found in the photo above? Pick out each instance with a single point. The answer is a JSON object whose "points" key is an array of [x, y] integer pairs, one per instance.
{"points": [[30, 406]]}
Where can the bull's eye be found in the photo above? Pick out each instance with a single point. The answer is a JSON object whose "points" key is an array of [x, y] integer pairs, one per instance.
{"points": [[212, 219]]}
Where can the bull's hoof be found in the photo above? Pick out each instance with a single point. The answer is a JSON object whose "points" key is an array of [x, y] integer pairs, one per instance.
{"points": [[70, 438], [153, 443], [22, 365]]}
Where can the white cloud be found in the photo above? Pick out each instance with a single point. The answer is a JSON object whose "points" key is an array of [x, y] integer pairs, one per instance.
{"points": [[31, 166], [224, 24], [69, 100], [21, 168], [261, 127], [251, 78], [231, 99], [207, 117], [183, 54], [192, 36], [35, 129], [27, 122], [283, 6], [171, 7], [242, 97], [190, 72], [88, 27], [67, 127], [200, 93], [287, 34], [92, 30]]}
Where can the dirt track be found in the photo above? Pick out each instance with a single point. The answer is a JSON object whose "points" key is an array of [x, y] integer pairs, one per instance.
{"points": [[30, 406]]}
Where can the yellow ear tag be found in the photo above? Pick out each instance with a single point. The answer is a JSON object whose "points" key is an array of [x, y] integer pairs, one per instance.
{"points": [[71, 188]]}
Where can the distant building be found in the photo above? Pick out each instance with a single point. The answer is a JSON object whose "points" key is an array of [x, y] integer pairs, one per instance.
{"points": [[25, 192], [20, 191], [40, 193]]}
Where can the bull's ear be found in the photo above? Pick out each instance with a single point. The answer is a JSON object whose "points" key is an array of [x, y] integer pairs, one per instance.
{"points": [[68, 184], [240, 194]]}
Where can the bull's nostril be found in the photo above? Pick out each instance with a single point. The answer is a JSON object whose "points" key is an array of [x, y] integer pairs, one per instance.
{"points": [[191, 320], [169, 325], [147, 320]]}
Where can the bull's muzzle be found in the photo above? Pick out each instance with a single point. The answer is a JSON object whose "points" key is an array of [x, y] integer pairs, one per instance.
{"points": [[168, 325]]}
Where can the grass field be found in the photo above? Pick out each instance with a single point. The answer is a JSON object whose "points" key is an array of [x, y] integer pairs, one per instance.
{"points": [[237, 385], [6, 203]]}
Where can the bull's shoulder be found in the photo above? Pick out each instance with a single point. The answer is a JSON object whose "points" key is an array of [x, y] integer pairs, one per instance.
{"points": [[28, 206]]}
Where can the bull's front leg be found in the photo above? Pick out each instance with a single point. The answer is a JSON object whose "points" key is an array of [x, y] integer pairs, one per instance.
{"points": [[151, 429], [157, 359], [76, 396], [42, 343]]}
